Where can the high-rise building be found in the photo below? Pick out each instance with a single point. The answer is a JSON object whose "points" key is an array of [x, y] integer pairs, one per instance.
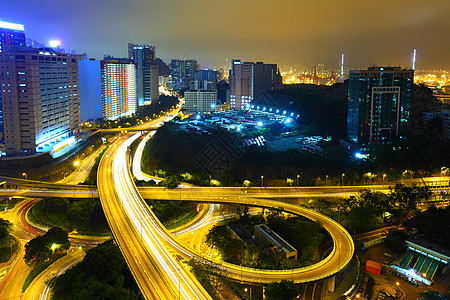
{"points": [[131, 47], [147, 74], [204, 80], [74, 92], [11, 34], [39, 100], [200, 101], [241, 84], [119, 97], [182, 71], [379, 104], [248, 80], [265, 78], [90, 89]]}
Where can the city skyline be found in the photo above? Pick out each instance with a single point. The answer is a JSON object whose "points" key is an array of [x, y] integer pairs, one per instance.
{"points": [[291, 33]]}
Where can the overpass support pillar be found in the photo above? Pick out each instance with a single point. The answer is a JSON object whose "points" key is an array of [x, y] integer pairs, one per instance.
{"points": [[331, 284]]}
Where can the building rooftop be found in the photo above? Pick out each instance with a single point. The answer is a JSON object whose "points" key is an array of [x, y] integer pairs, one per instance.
{"points": [[279, 241], [12, 26], [424, 242], [241, 233]]}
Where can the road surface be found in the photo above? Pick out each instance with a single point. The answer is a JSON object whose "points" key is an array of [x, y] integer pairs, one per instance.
{"points": [[136, 229]]}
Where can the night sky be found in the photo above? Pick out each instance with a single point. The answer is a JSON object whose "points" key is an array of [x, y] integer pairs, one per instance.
{"points": [[287, 32]]}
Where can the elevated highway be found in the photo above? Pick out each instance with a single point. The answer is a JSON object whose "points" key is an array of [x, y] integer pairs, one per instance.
{"points": [[149, 248]]}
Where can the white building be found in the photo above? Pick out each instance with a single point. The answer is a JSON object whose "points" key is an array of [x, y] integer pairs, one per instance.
{"points": [[200, 101], [119, 97]]}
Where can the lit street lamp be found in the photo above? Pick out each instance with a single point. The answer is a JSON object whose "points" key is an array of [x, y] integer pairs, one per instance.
{"points": [[342, 179], [250, 295], [25, 175], [326, 180], [384, 176], [262, 181], [298, 177]]}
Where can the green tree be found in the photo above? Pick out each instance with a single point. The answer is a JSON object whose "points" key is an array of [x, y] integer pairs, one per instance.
{"points": [[433, 222], [430, 295], [171, 182], [407, 197], [42, 248], [395, 239], [101, 275], [361, 219], [284, 289], [105, 263], [5, 228]]}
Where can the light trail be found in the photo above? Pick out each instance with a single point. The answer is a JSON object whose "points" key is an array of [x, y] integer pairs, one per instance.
{"points": [[169, 277]]}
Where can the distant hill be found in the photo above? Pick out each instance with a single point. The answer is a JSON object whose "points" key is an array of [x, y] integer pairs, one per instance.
{"points": [[164, 69]]}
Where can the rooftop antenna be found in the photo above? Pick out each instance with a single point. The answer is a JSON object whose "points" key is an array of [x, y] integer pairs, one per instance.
{"points": [[414, 60], [342, 65]]}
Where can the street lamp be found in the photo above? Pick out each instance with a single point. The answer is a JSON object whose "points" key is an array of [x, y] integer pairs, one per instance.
{"points": [[384, 176], [342, 179], [262, 181], [25, 175], [326, 180], [246, 290], [298, 177], [76, 163]]}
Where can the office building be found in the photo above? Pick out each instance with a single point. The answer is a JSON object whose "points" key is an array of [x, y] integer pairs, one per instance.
{"points": [[266, 77], [74, 91], [379, 104], [248, 80], [204, 80], [131, 47], [118, 76], [200, 101], [90, 89], [11, 34], [39, 99], [182, 71], [147, 86]]}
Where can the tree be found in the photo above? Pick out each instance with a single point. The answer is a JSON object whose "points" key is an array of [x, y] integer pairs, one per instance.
{"points": [[433, 223], [407, 197], [101, 275], [105, 263], [42, 248], [430, 295], [5, 228], [361, 219], [395, 239], [284, 289], [171, 182]]}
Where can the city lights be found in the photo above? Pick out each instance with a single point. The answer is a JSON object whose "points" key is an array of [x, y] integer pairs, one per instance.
{"points": [[55, 44], [13, 26], [186, 151]]}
